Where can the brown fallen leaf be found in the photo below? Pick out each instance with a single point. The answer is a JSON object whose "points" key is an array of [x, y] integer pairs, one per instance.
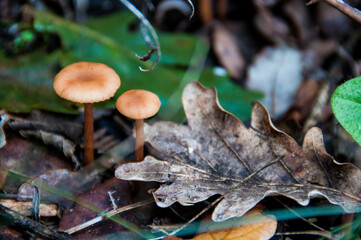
{"points": [[26, 208], [227, 51], [257, 227], [217, 154]]}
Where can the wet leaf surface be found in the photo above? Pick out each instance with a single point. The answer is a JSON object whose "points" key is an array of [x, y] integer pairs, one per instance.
{"points": [[99, 197], [27, 157], [217, 154]]}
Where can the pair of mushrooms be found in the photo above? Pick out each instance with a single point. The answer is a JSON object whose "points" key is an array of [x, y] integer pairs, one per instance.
{"points": [[87, 82]]}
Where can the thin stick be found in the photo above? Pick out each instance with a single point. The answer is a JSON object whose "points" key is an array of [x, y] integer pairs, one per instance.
{"points": [[139, 140], [317, 233], [196, 216], [107, 215], [30, 225], [88, 134], [353, 13]]}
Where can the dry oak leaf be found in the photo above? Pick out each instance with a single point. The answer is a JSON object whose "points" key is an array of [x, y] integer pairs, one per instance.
{"points": [[217, 154]]}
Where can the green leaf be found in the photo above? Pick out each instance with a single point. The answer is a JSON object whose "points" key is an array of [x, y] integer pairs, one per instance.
{"points": [[346, 105], [176, 47], [26, 83]]}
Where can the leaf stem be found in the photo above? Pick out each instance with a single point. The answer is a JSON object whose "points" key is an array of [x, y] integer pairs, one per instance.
{"points": [[147, 39]]}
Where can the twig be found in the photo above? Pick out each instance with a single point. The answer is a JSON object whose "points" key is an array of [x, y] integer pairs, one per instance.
{"points": [[107, 215], [112, 200], [144, 21], [317, 233], [32, 226], [304, 219], [353, 13]]}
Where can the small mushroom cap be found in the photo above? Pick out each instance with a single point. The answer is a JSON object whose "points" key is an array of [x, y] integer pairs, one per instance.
{"points": [[138, 104], [86, 82]]}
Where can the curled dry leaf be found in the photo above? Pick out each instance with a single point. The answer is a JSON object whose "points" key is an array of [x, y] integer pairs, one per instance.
{"points": [[63, 132], [60, 142], [217, 154]]}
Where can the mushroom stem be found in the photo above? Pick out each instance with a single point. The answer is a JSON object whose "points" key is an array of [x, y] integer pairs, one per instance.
{"points": [[139, 140], [88, 134]]}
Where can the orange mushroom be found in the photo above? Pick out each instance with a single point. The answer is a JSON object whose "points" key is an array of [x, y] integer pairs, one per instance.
{"points": [[87, 82], [138, 104]]}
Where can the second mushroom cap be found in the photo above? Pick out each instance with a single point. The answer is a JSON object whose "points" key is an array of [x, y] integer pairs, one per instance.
{"points": [[138, 104]]}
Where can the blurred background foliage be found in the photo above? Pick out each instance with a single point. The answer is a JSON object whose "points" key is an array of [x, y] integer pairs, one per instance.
{"points": [[30, 59]]}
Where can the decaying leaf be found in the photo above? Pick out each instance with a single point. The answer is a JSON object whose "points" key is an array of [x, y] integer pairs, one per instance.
{"points": [[26, 208], [277, 72], [216, 154]]}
